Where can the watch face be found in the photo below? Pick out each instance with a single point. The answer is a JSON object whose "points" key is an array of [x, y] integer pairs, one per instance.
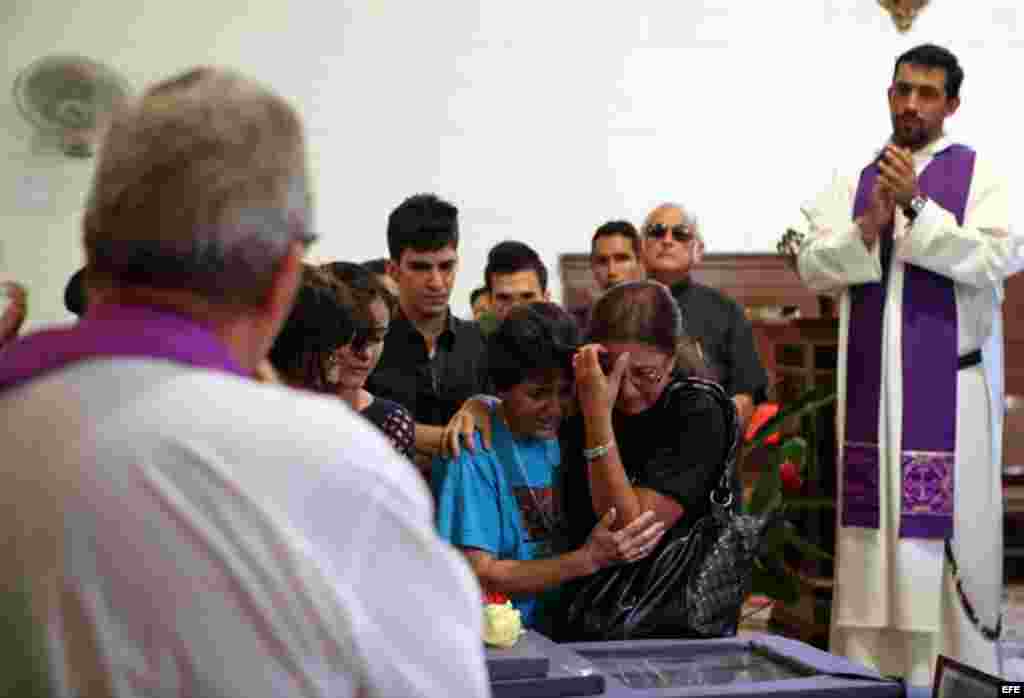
{"points": [[914, 207]]}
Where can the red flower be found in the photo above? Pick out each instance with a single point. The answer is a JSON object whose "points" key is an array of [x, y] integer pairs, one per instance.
{"points": [[495, 597], [764, 412], [789, 473]]}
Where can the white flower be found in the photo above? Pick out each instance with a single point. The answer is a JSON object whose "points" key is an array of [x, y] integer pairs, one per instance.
{"points": [[503, 624]]}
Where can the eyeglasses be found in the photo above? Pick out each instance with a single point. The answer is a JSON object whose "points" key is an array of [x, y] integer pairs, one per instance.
{"points": [[681, 232], [643, 377]]}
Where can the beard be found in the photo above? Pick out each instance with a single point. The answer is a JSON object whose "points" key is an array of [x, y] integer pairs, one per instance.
{"points": [[910, 132]]}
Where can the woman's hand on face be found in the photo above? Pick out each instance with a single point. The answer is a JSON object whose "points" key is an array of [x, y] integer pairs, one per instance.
{"points": [[595, 391], [474, 415], [629, 544]]}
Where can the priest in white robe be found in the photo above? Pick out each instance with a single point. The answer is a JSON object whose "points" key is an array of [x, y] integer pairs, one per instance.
{"points": [[917, 246]]}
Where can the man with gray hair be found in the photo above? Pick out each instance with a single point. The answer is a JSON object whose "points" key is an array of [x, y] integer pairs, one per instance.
{"points": [[673, 246], [191, 531]]}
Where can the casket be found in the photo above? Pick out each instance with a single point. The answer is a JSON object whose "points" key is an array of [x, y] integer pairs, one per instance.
{"points": [[744, 667]]}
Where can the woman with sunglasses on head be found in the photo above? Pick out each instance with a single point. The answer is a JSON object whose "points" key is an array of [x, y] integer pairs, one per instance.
{"points": [[644, 438], [333, 339]]}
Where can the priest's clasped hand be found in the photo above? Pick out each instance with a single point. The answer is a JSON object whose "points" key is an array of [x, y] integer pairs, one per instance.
{"points": [[897, 174], [878, 215]]}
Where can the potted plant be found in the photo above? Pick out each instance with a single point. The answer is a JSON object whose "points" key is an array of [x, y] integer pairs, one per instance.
{"points": [[786, 440]]}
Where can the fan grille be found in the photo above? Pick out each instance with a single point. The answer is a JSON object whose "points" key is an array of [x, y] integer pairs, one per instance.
{"points": [[67, 92]]}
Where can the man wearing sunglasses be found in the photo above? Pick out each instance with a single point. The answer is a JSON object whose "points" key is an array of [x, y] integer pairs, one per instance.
{"points": [[673, 246], [917, 246]]}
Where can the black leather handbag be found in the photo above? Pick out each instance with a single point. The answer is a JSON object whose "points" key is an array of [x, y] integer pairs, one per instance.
{"points": [[693, 585]]}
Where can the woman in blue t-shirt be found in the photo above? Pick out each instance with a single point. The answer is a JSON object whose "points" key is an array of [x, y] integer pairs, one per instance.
{"points": [[500, 506]]}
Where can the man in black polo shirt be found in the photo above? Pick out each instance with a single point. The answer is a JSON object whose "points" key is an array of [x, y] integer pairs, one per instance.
{"points": [[673, 246], [432, 361]]}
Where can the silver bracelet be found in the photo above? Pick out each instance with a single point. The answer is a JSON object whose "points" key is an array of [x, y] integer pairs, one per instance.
{"points": [[591, 454], [488, 400]]}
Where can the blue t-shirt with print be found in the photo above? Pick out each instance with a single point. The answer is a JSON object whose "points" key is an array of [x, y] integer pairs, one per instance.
{"points": [[502, 501]]}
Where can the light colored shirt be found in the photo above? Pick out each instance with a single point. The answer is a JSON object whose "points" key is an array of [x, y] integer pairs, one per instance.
{"points": [[187, 532], [977, 256], [892, 582]]}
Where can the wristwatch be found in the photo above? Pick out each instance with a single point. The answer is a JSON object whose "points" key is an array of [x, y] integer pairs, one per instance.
{"points": [[914, 207]]}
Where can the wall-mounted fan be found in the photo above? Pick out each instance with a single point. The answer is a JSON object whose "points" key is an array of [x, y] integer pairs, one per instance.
{"points": [[69, 100]]}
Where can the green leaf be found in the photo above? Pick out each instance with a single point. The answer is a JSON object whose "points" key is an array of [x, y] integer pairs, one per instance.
{"points": [[774, 541], [811, 457], [777, 584], [808, 403], [768, 490], [807, 503], [805, 547], [795, 450]]}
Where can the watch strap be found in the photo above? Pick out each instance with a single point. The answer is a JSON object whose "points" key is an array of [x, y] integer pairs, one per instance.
{"points": [[912, 209]]}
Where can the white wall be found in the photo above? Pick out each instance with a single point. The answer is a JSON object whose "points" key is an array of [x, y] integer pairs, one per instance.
{"points": [[539, 119]]}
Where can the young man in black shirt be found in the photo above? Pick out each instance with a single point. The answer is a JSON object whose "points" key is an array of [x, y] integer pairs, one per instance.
{"points": [[673, 246], [432, 361], [615, 254], [515, 276]]}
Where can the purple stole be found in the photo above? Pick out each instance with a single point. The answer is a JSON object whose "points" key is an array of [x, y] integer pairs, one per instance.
{"points": [[111, 331], [930, 364]]}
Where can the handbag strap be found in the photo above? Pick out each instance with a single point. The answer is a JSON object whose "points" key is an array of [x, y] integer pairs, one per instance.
{"points": [[722, 494]]}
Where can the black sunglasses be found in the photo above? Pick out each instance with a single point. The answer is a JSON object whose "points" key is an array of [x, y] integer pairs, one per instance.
{"points": [[681, 232]]}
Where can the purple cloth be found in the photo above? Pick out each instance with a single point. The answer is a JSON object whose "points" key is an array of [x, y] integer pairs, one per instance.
{"points": [[109, 331], [929, 352]]}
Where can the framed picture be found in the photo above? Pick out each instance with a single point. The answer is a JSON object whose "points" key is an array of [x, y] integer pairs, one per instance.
{"points": [[956, 680]]}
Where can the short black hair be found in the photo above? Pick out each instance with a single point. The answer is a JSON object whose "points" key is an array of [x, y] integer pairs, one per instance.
{"points": [[423, 222], [932, 56], [533, 338], [511, 256], [623, 228], [477, 292], [376, 266]]}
